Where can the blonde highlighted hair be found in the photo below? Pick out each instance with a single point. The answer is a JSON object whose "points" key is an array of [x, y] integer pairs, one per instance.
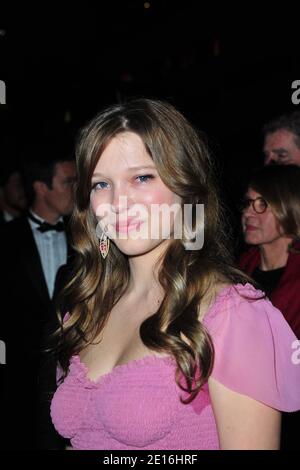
{"points": [[279, 185]]}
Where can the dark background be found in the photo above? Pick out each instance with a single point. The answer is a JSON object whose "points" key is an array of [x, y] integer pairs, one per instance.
{"points": [[229, 71]]}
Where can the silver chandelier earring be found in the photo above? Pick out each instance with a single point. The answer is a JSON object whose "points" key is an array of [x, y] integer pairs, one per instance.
{"points": [[104, 244]]}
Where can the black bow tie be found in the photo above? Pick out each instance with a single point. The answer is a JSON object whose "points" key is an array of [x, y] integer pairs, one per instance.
{"points": [[45, 226]]}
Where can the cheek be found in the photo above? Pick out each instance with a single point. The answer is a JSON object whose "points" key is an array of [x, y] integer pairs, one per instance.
{"points": [[158, 196], [96, 208], [100, 206], [60, 195], [93, 204], [272, 230], [270, 226], [161, 198]]}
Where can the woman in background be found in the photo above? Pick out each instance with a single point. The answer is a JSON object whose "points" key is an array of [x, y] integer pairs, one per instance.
{"points": [[165, 345], [271, 226]]}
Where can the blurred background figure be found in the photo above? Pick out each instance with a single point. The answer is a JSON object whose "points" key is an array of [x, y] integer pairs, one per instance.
{"points": [[12, 195], [282, 140], [33, 247], [271, 227]]}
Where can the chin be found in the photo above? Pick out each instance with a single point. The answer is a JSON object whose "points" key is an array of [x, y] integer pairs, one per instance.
{"points": [[252, 240], [136, 247]]}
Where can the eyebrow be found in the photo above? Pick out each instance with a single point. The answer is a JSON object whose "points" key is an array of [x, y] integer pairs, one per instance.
{"points": [[132, 168], [280, 150]]}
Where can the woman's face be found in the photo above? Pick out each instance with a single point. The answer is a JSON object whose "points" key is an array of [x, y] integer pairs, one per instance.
{"points": [[126, 194], [262, 228]]}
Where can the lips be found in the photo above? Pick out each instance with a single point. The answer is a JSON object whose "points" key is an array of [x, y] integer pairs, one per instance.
{"points": [[250, 228], [128, 225]]}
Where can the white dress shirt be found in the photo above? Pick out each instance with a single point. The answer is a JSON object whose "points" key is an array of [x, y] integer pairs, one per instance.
{"points": [[52, 248]]}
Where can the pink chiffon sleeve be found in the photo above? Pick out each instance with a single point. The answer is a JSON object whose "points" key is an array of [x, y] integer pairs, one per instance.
{"points": [[256, 352]]}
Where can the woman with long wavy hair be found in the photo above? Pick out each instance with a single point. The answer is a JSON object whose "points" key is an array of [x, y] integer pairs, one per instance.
{"points": [[165, 345]]}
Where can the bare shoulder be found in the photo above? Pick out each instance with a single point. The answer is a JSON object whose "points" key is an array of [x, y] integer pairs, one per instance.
{"points": [[242, 422]]}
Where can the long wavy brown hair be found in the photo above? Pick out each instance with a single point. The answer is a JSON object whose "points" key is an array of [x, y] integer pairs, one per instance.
{"points": [[184, 164]]}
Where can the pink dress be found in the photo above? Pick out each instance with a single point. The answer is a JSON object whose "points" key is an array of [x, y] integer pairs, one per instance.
{"points": [[137, 405]]}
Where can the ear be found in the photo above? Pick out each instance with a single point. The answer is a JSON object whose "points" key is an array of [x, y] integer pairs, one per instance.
{"points": [[40, 188]]}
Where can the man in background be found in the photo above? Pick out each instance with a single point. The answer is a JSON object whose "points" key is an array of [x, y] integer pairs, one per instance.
{"points": [[282, 140], [12, 195], [33, 247]]}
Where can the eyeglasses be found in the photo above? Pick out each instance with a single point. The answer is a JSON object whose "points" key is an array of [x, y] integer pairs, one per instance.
{"points": [[259, 204]]}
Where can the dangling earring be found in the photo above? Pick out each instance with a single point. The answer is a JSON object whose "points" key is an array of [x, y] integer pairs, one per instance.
{"points": [[104, 245]]}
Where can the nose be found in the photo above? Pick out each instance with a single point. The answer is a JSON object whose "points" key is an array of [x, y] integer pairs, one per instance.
{"points": [[248, 211], [271, 159], [119, 202]]}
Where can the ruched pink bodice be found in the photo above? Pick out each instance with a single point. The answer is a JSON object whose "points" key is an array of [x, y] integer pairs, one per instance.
{"points": [[137, 405]]}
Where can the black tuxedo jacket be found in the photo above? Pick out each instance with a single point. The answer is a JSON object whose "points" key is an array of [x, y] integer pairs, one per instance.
{"points": [[2, 221], [27, 316]]}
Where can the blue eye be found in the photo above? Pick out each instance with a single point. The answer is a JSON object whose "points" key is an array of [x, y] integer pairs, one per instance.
{"points": [[145, 178], [99, 183], [103, 185]]}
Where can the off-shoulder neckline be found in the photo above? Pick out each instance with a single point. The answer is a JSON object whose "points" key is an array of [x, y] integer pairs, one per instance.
{"points": [[132, 364], [83, 369]]}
